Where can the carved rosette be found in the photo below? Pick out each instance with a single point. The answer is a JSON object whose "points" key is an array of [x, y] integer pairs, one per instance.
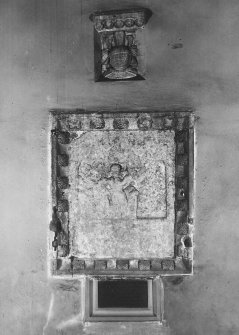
{"points": [[121, 123], [97, 121], [123, 20], [69, 125], [144, 122]]}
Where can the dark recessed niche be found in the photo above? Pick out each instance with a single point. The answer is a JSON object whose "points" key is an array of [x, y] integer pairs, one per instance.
{"points": [[123, 294]]}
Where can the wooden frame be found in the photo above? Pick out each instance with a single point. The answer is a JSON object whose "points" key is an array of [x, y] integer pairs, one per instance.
{"points": [[65, 124], [154, 312]]}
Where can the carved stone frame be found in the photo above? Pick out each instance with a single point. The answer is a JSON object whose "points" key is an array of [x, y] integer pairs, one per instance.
{"points": [[154, 312], [62, 263]]}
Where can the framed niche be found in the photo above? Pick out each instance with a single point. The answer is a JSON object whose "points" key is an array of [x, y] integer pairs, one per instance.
{"points": [[112, 299], [122, 193]]}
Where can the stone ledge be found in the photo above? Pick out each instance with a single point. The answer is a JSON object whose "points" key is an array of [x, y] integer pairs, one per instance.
{"points": [[126, 328]]}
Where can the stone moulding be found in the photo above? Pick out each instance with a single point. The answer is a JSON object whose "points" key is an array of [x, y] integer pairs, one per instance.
{"points": [[65, 125], [116, 47]]}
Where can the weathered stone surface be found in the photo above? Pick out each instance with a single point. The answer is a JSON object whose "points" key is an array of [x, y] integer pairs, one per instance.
{"points": [[62, 160], [156, 265], [181, 123], [120, 123], [122, 194], [182, 159], [97, 121], [180, 170], [133, 264], [117, 50], [63, 137], [63, 205], [125, 328], [144, 121], [180, 250], [168, 264], [89, 264], [169, 122], [182, 228], [111, 264], [144, 265], [122, 264], [100, 265], [180, 148], [78, 264], [62, 182]]}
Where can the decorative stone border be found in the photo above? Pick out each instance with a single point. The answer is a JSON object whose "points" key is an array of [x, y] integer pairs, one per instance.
{"points": [[120, 19], [75, 266], [67, 126]]}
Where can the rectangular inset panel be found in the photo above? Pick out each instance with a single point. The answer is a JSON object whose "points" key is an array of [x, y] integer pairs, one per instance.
{"points": [[122, 194]]}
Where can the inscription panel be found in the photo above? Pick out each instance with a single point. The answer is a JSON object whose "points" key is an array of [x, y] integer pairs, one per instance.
{"points": [[121, 202]]}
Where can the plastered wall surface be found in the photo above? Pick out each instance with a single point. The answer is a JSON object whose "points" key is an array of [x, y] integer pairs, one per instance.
{"points": [[191, 50]]}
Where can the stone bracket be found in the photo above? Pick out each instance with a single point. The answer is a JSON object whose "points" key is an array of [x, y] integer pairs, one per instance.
{"points": [[117, 50]]}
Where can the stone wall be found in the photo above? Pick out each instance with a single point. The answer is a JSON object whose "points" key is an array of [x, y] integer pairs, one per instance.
{"points": [[191, 52]]}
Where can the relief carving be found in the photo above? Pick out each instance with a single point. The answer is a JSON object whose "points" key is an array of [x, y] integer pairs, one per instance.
{"points": [[116, 45], [120, 187], [144, 122], [121, 192], [130, 190], [119, 56], [117, 186]]}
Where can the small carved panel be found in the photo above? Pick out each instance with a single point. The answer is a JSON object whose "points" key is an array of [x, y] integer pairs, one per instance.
{"points": [[122, 187], [117, 50]]}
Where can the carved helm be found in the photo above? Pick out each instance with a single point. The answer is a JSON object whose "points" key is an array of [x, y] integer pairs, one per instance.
{"points": [[120, 58]]}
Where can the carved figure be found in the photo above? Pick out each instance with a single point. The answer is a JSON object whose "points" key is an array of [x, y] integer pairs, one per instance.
{"points": [[116, 50], [120, 56], [121, 192]]}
